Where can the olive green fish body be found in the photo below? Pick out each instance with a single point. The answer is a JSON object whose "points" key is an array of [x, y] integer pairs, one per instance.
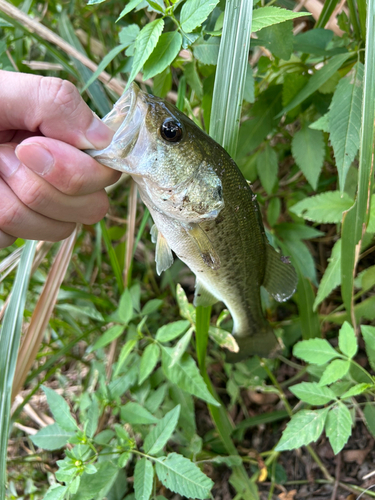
{"points": [[203, 209]]}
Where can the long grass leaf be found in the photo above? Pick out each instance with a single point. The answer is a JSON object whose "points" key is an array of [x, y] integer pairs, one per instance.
{"points": [[42, 312], [9, 343], [231, 74], [112, 256], [327, 11], [356, 218]]}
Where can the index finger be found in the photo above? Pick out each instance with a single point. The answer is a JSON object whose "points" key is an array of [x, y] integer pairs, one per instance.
{"points": [[51, 106]]}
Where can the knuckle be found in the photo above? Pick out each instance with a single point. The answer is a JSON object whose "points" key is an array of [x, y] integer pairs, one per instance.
{"points": [[11, 216], [32, 195], [75, 183], [60, 93]]}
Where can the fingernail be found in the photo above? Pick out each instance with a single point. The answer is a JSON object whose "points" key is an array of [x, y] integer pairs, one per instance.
{"points": [[35, 157], [9, 162], [98, 134]]}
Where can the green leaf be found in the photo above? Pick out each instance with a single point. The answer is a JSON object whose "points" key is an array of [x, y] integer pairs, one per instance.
{"points": [[126, 349], [128, 7], [338, 427], [125, 308], [194, 12], [207, 51], [163, 55], [92, 418], [312, 393], [160, 434], [143, 479], [172, 330], [223, 338], [268, 16], [180, 347], [308, 150], [56, 492], [313, 41], [60, 410], [294, 231], [347, 340], [149, 359], [186, 375], [278, 39], [332, 276], [325, 207], [134, 413], [369, 413], [144, 45], [97, 485], [267, 167], [230, 461], [368, 333], [315, 351], [248, 93], [335, 371], [128, 34], [52, 437], [317, 80], [108, 336], [356, 390], [321, 124], [304, 427], [345, 121], [181, 476]]}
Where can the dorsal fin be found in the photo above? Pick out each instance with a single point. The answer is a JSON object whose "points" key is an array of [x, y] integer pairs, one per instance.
{"points": [[280, 279]]}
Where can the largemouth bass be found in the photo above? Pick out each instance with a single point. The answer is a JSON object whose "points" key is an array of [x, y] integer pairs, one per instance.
{"points": [[203, 210]]}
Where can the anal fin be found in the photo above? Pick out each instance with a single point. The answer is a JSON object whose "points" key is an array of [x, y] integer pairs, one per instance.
{"points": [[202, 296], [163, 253], [205, 247], [280, 278]]}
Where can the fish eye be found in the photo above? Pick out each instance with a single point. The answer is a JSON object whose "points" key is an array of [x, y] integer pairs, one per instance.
{"points": [[171, 131]]}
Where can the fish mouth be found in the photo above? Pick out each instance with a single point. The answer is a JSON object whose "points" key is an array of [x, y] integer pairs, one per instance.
{"points": [[125, 119]]}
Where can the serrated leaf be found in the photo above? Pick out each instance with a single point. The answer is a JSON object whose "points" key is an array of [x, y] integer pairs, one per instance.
{"points": [[345, 121], [348, 343], [267, 167], [278, 39], [338, 427], [158, 437], [172, 330], [163, 55], [355, 390], [335, 371], [332, 275], [149, 359], [128, 34], [134, 413], [52, 437], [325, 207], [144, 45], [143, 479], [369, 413], [108, 336], [294, 231], [308, 150], [304, 427], [207, 51], [186, 375], [60, 410], [194, 12], [56, 492], [180, 347], [312, 393], [268, 16], [230, 461], [315, 351], [321, 124], [181, 476], [368, 333]]}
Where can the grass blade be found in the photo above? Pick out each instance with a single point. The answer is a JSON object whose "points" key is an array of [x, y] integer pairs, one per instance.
{"points": [[9, 343], [356, 218], [327, 11], [231, 74], [112, 256]]}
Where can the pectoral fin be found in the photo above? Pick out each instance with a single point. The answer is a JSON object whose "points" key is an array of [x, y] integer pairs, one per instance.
{"points": [[280, 279], [205, 247], [163, 254], [202, 296]]}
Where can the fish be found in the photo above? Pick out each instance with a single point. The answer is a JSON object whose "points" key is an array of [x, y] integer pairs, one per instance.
{"points": [[204, 211]]}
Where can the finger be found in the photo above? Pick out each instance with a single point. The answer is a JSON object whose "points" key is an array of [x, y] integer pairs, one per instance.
{"points": [[69, 170], [51, 106], [38, 195], [6, 240], [20, 222]]}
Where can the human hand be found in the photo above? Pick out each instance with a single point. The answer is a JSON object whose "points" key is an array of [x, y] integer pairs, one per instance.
{"points": [[47, 184]]}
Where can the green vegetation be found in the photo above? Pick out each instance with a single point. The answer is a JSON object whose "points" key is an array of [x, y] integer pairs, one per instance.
{"points": [[149, 404]]}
